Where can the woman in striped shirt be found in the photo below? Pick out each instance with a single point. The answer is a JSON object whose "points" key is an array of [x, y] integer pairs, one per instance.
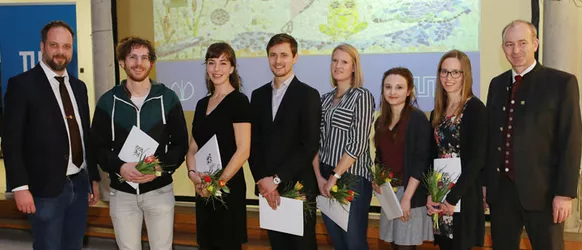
{"points": [[346, 119]]}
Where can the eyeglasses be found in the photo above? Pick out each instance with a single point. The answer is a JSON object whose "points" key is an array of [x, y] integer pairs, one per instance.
{"points": [[454, 74], [134, 57]]}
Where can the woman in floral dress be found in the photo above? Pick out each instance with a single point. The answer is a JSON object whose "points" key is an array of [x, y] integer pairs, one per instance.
{"points": [[460, 130]]}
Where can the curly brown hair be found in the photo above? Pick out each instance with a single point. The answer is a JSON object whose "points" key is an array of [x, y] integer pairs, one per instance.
{"points": [[127, 44]]}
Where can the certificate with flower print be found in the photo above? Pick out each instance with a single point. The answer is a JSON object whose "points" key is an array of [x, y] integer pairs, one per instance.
{"points": [[337, 212], [451, 167], [389, 202], [287, 218], [136, 147], [208, 157]]}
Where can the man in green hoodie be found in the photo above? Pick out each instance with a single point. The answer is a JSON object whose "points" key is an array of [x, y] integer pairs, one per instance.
{"points": [[156, 110]]}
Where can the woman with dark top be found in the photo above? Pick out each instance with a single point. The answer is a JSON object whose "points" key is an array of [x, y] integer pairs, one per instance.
{"points": [[346, 120], [402, 142], [459, 122], [224, 113]]}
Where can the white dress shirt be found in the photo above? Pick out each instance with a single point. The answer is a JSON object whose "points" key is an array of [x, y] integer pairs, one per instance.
{"points": [[279, 93], [50, 74], [530, 68]]}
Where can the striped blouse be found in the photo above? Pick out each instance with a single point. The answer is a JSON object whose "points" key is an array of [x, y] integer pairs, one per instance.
{"points": [[345, 128]]}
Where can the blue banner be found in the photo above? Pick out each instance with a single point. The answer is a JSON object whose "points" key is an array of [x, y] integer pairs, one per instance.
{"points": [[20, 26]]}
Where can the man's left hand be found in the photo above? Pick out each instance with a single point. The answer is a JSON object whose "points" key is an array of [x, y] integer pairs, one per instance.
{"points": [[145, 178], [94, 197], [274, 199], [266, 186], [562, 206]]}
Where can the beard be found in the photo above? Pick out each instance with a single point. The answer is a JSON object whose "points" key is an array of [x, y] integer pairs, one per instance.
{"points": [[136, 78], [51, 62]]}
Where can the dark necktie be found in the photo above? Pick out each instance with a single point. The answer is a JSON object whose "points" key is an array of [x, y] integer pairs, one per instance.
{"points": [[74, 133]]}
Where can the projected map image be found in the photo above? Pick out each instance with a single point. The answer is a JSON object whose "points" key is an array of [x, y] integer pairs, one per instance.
{"points": [[185, 28]]}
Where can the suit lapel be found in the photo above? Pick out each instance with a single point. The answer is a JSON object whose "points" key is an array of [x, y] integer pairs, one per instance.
{"points": [[269, 100], [530, 95], [77, 92], [287, 100], [45, 89]]}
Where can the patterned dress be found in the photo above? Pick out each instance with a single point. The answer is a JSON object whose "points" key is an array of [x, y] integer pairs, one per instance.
{"points": [[447, 135]]}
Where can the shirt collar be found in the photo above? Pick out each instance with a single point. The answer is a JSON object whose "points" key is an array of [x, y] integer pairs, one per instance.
{"points": [[50, 74], [285, 83], [530, 68]]}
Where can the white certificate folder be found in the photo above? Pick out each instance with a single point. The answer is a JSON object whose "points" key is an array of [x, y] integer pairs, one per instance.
{"points": [[287, 218], [389, 202], [136, 147], [208, 157], [337, 212], [452, 167]]}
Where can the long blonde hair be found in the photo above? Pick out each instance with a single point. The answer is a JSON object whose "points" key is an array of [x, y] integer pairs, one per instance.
{"points": [[440, 97], [357, 76]]}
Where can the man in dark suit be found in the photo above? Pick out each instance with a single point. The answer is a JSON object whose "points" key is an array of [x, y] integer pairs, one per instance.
{"points": [[534, 146], [285, 137], [44, 137]]}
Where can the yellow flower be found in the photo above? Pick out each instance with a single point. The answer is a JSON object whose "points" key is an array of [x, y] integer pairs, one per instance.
{"points": [[298, 186], [439, 176], [388, 180], [395, 189], [210, 188], [334, 188]]}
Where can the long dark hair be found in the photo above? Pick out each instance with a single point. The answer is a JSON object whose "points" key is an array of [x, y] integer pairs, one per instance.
{"points": [[215, 51], [385, 119]]}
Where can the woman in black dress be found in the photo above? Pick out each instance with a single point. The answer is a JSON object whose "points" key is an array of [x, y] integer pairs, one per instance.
{"points": [[224, 113], [460, 131]]}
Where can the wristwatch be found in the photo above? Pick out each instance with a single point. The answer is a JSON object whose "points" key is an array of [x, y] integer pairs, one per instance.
{"points": [[276, 180], [337, 176]]}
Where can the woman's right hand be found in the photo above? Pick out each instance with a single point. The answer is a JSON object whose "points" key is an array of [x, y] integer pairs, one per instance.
{"points": [[196, 179], [376, 188], [321, 182], [433, 207]]}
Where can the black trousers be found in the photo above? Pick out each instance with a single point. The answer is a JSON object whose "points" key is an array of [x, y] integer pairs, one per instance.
{"points": [[508, 219], [283, 241]]}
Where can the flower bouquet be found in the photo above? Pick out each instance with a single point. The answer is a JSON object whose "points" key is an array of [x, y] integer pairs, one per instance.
{"points": [[382, 175], [216, 187], [341, 191], [438, 185], [147, 165], [296, 192]]}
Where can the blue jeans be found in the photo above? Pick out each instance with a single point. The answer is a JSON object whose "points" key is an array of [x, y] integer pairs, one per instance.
{"points": [[356, 236], [59, 222]]}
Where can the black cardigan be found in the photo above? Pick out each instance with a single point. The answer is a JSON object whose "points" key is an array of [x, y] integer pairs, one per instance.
{"points": [[473, 142], [416, 153]]}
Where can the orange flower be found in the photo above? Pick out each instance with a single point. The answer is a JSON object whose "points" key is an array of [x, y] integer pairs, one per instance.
{"points": [[221, 183], [351, 192]]}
